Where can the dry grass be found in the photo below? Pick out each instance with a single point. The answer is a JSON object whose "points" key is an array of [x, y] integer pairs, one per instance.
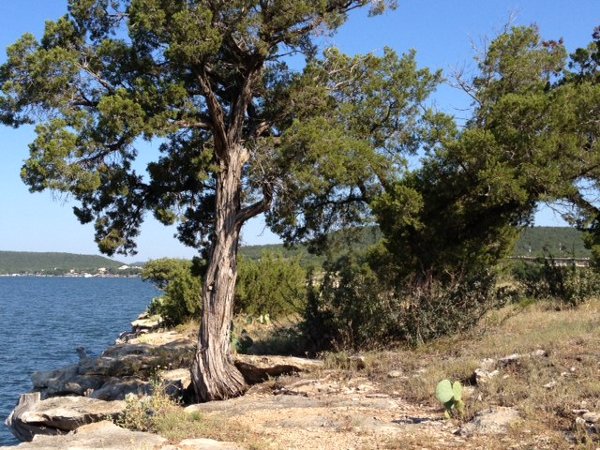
{"points": [[571, 339]]}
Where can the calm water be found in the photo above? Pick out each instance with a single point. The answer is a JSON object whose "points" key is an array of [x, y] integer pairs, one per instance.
{"points": [[43, 320]]}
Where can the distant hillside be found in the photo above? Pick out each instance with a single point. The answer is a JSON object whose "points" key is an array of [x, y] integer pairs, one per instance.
{"points": [[535, 241], [555, 241], [33, 262]]}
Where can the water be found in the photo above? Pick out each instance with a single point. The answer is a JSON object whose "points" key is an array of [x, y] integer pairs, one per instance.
{"points": [[43, 320]]}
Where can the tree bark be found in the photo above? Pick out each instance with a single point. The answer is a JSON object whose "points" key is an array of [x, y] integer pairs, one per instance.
{"points": [[213, 373]]}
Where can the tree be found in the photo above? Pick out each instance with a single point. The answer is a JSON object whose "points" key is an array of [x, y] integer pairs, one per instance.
{"points": [[533, 137], [241, 133]]}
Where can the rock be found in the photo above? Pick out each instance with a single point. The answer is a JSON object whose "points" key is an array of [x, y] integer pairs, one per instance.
{"points": [[256, 369], [119, 388], [591, 417], [150, 323], [552, 384], [482, 376], [207, 444], [510, 360], [488, 364], [539, 353], [491, 421], [43, 379], [177, 382], [57, 415], [104, 435], [394, 374], [120, 350]]}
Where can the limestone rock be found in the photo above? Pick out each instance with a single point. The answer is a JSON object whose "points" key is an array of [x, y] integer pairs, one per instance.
{"points": [[118, 388], [394, 374], [591, 417], [482, 376], [42, 379], [510, 360], [57, 415], [105, 435], [491, 421], [256, 369], [145, 322]]}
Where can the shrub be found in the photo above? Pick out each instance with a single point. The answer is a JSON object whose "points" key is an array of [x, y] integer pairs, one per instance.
{"points": [[356, 306], [546, 279], [182, 290], [272, 286], [142, 414]]}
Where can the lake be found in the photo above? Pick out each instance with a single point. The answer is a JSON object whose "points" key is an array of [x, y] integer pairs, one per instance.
{"points": [[43, 320]]}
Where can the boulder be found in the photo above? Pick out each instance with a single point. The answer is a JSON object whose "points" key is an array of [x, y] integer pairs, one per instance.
{"points": [[256, 369], [119, 388], [146, 323], [105, 435], [57, 415], [43, 379]]}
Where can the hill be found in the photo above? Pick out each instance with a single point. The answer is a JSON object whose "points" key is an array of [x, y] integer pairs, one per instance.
{"points": [[34, 262], [562, 242], [534, 241]]}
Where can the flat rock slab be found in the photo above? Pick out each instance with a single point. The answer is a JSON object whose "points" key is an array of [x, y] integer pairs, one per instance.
{"points": [[104, 435], [58, 415]]}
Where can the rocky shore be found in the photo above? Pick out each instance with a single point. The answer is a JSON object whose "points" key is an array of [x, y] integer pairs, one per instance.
{"points": [[72, 406]]}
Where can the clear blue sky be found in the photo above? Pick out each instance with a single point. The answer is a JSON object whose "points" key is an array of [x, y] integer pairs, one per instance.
{"points": [[443, 33]]}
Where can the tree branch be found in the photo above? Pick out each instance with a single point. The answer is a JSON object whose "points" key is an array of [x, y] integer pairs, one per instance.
{"points": [[257, 208], [217, 116]]}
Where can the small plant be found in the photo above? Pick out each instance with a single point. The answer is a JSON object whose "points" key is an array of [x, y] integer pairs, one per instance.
{"points": [[450, 395]]}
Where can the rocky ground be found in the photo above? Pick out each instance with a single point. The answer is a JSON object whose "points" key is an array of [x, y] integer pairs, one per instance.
{"points": [[353, 403]]}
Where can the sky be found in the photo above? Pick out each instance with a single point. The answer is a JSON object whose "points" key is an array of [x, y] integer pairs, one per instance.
{"points": [[446, 35]]}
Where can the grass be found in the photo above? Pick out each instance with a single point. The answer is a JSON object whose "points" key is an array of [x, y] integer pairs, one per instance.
{"points": [[571, 339]]}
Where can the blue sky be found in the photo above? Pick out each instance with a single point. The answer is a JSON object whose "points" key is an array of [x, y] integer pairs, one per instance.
{"points": [[445, 34]]}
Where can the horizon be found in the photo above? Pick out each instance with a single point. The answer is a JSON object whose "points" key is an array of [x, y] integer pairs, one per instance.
{"points": [[442, 35]]}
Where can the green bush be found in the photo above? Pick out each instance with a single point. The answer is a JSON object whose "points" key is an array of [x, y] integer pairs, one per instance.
{"points": [[272, 286], [546, 279], [269, 288], [182, 298]]}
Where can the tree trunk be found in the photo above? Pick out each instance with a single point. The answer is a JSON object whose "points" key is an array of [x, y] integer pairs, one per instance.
{"points": [[213, 374]]}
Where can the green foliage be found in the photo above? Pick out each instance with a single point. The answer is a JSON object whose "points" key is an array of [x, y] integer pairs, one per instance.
{"points": [[210, 82], [182, 290], [450, 395], [270, 287], [361, 303], [546, 279]]}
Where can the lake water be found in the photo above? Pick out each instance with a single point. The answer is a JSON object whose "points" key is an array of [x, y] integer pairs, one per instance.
{"points": [[43, 320]]}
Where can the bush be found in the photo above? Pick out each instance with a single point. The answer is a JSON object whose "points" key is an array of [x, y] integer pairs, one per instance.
{"points": [[570, 285], [273, 286], [357, 307], [182, 299]]}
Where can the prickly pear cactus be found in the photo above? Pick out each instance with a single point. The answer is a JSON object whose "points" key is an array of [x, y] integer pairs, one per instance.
{"points": [[450, 395]]}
